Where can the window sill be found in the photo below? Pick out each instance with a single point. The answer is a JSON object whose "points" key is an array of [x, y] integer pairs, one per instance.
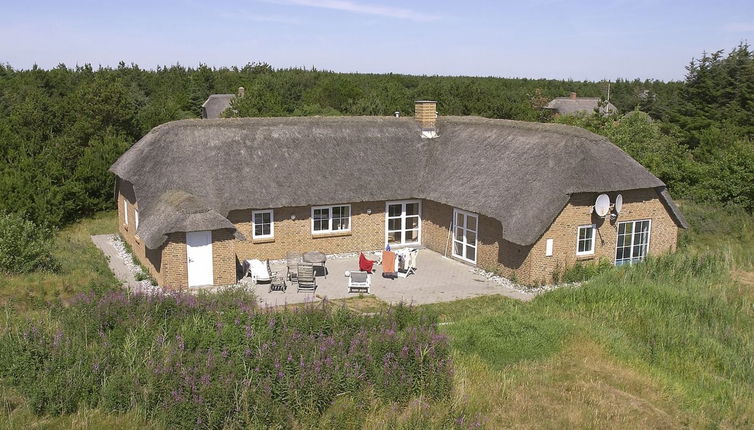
{"points": [[585, 257], [331, 234], [125, 227], [263, 240]]}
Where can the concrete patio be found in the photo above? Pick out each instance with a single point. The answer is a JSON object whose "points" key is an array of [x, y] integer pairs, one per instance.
{"points": [[437, 279]]}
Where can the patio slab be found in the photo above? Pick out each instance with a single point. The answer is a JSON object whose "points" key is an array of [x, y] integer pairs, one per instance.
{"points": [[437, 279]]}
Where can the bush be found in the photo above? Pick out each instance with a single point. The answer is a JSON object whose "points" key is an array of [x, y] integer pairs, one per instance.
{"points": [[219, 361], [24, 246]]}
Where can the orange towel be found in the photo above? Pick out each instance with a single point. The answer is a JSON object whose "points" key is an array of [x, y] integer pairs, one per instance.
{"points": [[388, 262]]}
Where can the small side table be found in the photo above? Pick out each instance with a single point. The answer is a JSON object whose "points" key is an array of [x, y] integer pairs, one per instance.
{"points": [[316, 258]]}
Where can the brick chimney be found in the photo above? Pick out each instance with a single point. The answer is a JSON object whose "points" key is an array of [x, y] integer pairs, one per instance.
{"points": [[573, 96], [425, 112]]}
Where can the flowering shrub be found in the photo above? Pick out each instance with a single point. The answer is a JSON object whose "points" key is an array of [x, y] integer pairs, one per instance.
{"points": [[219, 361]]}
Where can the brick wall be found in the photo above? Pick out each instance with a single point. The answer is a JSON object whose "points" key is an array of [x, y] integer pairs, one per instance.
{"points": [[174, 262], [150, 258], [367, 232], [528, 264], [637, 205]]}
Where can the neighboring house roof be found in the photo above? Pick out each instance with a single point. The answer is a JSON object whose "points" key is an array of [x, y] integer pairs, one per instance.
{"points": [[519, 173], [571, 105], [215, 105]]}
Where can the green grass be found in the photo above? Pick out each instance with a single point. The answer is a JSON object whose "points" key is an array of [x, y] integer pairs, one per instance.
{"points": [[664, 344], [82, 266]]}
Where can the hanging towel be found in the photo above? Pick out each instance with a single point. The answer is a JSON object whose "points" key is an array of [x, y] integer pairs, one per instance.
{"points": [[365, 264], [388, 264]]}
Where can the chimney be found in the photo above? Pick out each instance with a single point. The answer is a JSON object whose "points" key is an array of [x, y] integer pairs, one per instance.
{"points": [[573, 95], [425, 112], [241, 91]]}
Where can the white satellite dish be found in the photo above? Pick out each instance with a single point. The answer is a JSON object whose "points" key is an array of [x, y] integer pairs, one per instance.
{"points": [[602, 205], [618, 203]]}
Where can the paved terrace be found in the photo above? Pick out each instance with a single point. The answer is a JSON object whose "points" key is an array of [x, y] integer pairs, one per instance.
{"points": [[437, 279]]}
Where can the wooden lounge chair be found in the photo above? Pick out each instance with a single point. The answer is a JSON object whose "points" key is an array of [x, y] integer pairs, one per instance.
{"points": [[359, 282], [293, 259], [305, 278], [277, 280]]}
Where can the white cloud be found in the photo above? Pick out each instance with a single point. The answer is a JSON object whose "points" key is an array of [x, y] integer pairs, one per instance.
{"points": [[739, 27], [361, 8]]}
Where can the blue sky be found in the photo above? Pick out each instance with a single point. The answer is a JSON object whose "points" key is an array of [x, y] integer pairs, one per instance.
{"points": [[536, 39]]}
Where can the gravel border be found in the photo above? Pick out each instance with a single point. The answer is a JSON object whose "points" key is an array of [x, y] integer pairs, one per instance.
{"points": [[144, 286], [505, 282]]}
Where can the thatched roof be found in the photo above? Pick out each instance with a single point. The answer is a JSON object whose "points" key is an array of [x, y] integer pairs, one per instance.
{"points": [[215, 105], [516, 172], [570, 106]]}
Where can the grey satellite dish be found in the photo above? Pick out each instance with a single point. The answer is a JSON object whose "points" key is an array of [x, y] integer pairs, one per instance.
{"points": [[618, 203], [602, 205]]}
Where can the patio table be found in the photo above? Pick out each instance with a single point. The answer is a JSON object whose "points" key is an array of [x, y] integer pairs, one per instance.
{"points": [[316, 258]]}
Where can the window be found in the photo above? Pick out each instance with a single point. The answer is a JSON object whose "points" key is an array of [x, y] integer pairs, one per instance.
{"points": [[328, 219], [403, 223], [633, 242], [464, 235], [125, 211], [262, 224], [136, 219], [585, 239]]}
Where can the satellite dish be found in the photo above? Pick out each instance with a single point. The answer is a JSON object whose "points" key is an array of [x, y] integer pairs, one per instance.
{"points": [[618, 203], [602, 205]]}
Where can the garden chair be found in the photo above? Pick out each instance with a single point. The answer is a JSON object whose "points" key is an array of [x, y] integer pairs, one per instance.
{"points": [[359, 282], [305, 278]]}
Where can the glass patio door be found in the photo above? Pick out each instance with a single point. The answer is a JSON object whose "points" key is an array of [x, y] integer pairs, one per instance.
{"points": [[465, 228], [633, 242], [403, 223]]}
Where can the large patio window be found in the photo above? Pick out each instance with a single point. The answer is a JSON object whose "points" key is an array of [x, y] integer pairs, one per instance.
{"points": [[330, 219], [633, 242], [403, 223], [465, 228], [263, 226]]}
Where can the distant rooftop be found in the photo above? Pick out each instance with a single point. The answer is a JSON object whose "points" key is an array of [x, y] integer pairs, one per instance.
{"points": [[573, 105]]}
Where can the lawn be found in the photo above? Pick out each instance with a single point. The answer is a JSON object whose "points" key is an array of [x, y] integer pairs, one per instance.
{"points": [[82, 267], [664, 344]]}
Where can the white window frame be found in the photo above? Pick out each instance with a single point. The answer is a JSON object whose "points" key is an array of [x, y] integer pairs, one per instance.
{"points": [[630, 260], [125, 211], [590, 251], [403, 217], [466, 214], [136, 219], [329, 219], [254, 224]]}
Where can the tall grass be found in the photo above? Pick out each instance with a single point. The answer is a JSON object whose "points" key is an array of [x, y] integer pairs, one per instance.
{"points": [[217, 361], [82, 267], [685, 320]]}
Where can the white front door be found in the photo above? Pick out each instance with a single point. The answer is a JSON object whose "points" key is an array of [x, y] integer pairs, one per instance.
{"points": [[465, 226], [403, 223], [199, 254]]}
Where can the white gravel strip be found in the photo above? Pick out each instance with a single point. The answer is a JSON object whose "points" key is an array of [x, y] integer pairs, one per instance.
{"points": [[518, 287], [144, 286]]}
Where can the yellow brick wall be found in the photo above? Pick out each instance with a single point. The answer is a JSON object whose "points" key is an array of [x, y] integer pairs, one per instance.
{"points": [[174, 262], [367, 232], [150, 258], [528, 264], [637, 205]]}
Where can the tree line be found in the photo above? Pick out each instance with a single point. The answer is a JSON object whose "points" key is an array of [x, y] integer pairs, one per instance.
{"points": [[60, 129]]}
